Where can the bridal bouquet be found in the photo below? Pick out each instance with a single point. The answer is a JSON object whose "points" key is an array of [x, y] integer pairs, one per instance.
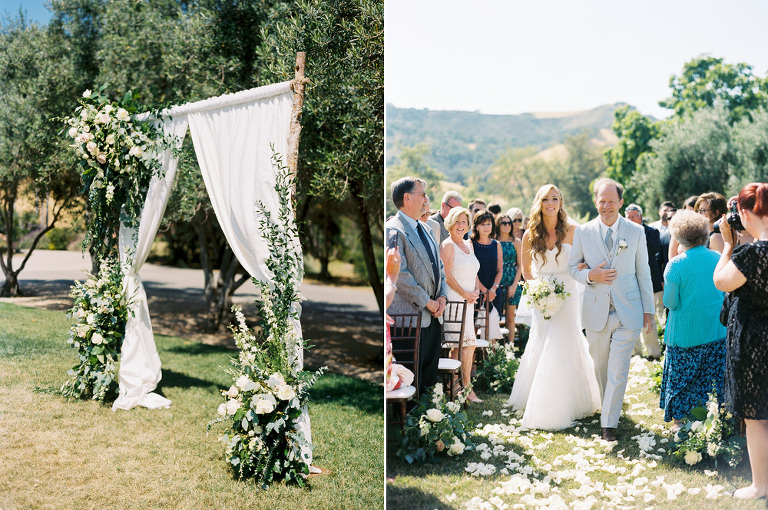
{"points": [[708, 431], [546, 294], [435, 427], [100, 311]]}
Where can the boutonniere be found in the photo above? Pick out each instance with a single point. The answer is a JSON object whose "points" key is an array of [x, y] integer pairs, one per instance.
{"points": [[622, 245]]}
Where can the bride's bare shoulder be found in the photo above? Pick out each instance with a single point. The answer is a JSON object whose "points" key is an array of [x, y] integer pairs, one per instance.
{"points": [[569, 235]]}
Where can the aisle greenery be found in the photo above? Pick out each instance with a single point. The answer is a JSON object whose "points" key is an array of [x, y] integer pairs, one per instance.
{"points": [[512, 468], [58, 454]]}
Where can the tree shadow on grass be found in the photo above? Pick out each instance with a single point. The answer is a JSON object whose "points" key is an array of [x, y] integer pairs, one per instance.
{"points": [[173, 379], [412, 498], [346, 391], [200, 349]]}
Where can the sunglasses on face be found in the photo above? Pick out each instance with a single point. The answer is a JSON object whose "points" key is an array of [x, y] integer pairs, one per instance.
{"points": [[506, 223]]}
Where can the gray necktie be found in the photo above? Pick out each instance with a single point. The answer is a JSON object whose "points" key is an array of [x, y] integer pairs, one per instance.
{"points": [[608, 240]]}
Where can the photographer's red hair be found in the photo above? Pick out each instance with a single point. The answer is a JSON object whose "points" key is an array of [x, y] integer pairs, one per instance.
{"points": [[754, 197]]}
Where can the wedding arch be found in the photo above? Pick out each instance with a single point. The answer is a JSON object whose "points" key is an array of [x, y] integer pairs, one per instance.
{"points": [[234, 137]]}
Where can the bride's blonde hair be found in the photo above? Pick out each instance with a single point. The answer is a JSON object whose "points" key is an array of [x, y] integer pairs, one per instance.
{"points": [[538, 232]]}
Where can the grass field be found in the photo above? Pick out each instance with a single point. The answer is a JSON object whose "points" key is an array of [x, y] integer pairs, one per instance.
{"points": [[56, 453], [567, 469]]}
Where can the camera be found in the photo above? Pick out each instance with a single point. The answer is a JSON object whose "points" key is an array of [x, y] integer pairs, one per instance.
{"points": [[734, 220]]}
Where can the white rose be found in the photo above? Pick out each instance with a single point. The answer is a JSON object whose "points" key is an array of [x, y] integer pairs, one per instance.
{"points": [[457, 448], [84, 114], [72, 132], [101, 158], [696, 426], [434, 415], [103, 118], [122, 114], [110, 139], [108, 108], [87, 93], [692, 458], [452, 407], [233, 406], [265, 404], [286, 392], [222, 410], [276, 380], [91, 318], [91, 146], [244, 383], [135, 151], [97, 339], [232, 392]]}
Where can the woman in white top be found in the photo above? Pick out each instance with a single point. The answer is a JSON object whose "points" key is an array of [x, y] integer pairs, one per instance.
{"points": [[461, 268]]}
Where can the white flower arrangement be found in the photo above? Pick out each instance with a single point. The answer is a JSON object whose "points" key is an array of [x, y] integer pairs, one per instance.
{"points": [[708, 432], [435, 427], [264, 403], [546, 294], [100, 311], [621, 246]]}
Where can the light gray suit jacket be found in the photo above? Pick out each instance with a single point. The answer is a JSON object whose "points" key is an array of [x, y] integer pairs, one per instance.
{"points": [[631, 291], [416, 284]]}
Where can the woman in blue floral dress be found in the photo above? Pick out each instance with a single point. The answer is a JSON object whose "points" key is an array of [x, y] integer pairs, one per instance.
{"points": [[512, 272]]}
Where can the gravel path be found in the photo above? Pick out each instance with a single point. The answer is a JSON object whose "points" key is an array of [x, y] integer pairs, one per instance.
{"points": [[342, 323]]}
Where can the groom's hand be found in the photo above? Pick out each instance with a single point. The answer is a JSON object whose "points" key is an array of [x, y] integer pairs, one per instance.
{"points": [[647, 322], [600, 275]]}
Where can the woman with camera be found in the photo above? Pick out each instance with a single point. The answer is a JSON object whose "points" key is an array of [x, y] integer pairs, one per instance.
{"points": [[744, 272]]}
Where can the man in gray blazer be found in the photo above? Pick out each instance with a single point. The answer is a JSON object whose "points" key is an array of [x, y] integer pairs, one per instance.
{"points": [[618, 299], [421, 286], [450, 200]]}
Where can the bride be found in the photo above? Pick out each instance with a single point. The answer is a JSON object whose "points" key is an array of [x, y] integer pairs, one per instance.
{"points": [[555, 383]]}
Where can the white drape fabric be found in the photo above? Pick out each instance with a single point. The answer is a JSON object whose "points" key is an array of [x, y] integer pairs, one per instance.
{"points": [[140, 364], [234, 144]]}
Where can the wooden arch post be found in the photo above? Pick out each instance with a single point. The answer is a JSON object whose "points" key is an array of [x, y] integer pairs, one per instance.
{"points": [[295, 130]]}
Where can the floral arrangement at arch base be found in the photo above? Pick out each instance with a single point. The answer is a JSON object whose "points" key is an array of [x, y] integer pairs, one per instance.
{"points": [[263, 407], [708, 431], [435, 428], [100, 311]]}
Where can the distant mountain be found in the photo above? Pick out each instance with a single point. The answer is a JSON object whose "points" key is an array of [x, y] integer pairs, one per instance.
{"points": [[461, 143]]}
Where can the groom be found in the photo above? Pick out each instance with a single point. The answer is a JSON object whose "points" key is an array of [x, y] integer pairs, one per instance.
{"points": [[618, 299]]}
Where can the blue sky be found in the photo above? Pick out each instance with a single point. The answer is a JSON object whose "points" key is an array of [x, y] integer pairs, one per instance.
{"points": [[516, 56], [35, 9]]}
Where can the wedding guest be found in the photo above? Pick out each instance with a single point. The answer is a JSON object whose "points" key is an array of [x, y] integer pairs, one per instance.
{"points": [[517, 222], [475, 205], [488, 252], [712, 206], [695, 339], [461, 268], [391, 272], [511, 249], [663, 222], [690, 202], [434, 226], [421, 286], [450, 200], [494, 208], [743, 271], [634, 213]]}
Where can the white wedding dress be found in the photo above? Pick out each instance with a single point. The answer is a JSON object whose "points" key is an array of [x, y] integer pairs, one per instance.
{"points": [[555, 383]]}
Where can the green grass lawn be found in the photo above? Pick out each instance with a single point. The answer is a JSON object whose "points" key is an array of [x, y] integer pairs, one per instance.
{"points": [[591, 473], [56, 453]]}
